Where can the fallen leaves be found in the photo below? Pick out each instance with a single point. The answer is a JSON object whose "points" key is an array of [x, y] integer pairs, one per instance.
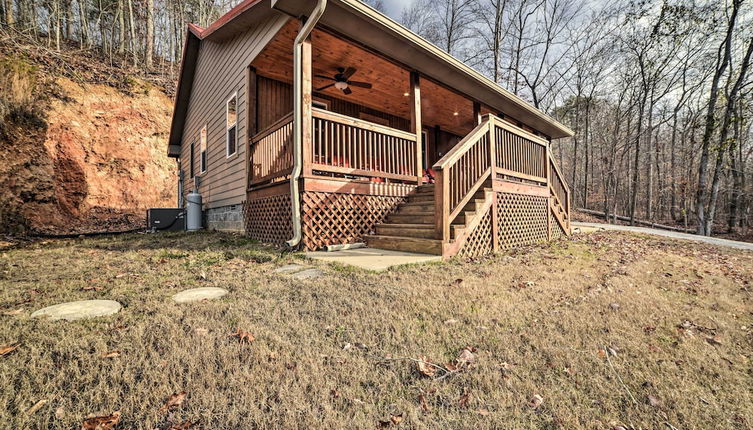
{"points": [[7, 349], [243, 336], [185, 425], [426, 367], [536, 401], [174, 401], [394, 420], [423, 402], [464, 360], [105, 422]]}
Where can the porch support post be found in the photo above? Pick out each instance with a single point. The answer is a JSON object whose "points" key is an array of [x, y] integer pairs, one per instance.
{"points": [[306, 99], [550, 198], [415, 122], [495, 223], [251, 119], [477, 112]]}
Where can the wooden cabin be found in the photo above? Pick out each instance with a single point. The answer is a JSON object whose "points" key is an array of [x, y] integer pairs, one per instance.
{"points": [[400, 145]]}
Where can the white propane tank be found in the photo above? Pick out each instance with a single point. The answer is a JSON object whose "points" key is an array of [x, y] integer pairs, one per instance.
{"points": [[193, 212]]}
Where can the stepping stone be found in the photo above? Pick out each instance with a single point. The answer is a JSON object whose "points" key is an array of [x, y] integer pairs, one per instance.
{"points": [[72, 311], [197, 294], [290, 268], [307, 274]]}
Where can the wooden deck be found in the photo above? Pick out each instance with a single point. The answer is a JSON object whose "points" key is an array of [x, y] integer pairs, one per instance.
{"points": [[497, 188], [440, 174]]}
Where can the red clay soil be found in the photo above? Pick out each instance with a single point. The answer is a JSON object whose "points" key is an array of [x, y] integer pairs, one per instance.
{"points": [[97, 166]]}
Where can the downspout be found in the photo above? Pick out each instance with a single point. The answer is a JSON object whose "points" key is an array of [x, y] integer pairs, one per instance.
{"points": [[295, 204]]}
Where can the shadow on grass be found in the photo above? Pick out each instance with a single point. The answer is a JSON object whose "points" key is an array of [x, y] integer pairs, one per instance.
{"points": [[172, 243]]}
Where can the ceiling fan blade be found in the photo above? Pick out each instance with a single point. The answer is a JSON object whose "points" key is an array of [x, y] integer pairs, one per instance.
{"points": [[325, 87], [347, 91], [349, 72], [359, 84], [325, 77]]}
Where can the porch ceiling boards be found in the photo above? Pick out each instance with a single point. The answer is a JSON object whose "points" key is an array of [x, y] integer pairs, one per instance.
{"points": [[376, 31], [390, 81]]}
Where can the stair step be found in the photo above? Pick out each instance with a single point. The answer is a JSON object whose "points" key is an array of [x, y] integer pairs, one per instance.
{"points": [[407, 244], [456, 231], [424, 208], [463, 218], [401, 218], [415, 198], [425, 231]]}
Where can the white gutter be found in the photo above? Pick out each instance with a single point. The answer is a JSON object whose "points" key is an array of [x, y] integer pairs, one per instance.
{"points": [[295, 204]]}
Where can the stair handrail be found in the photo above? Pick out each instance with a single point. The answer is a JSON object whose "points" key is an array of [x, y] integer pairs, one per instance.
{"points": [[565, 188], [444, 212]]}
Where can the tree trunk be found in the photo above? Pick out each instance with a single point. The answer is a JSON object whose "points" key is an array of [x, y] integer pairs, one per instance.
{"points": [[723, 143], [722, 62], [121, 28], [149, 51], [132, 27], [9, 19]]}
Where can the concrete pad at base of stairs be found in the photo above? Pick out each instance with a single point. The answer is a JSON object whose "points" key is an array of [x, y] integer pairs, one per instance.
{"points": [[290, 268], [372, 258], [83, 309], [198, 294]]}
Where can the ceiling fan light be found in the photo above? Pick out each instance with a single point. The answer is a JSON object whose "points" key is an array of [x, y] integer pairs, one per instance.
{"points": [[340, 85], [406, 94]]}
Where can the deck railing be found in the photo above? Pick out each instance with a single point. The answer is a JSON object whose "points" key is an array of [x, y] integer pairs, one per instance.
{"points": [[271, 154], [349, 146], [520, 154], [459, 174], [559, 189], [517, 154]]}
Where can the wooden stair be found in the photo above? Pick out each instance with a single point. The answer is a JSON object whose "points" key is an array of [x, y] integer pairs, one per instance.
{"points": [[412, 227]]}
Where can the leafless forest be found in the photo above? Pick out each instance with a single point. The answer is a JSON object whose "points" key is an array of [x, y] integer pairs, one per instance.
{"points": [[659, 92]]}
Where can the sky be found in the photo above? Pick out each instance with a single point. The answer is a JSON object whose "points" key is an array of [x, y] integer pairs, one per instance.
{"points": [[394, 7]]}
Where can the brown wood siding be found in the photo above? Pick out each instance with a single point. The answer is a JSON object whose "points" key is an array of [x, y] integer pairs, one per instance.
{"points": [[276, 101], [220, 73]]}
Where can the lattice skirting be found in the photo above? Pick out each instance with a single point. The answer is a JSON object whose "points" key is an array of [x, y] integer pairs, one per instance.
{"points": [[334, 218], [557, 231], [268, 219], [523, 219], [480, 242]]}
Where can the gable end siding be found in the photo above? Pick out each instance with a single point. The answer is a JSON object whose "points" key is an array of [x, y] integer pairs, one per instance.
{"points": [[221, 72]]}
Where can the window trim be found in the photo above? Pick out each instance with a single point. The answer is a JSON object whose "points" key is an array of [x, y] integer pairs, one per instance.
{"points": [[203, 159], [228, 127], [322, 104]]}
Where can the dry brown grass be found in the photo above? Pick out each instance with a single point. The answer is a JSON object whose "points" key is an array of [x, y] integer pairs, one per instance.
{"points": [[677, 315]]}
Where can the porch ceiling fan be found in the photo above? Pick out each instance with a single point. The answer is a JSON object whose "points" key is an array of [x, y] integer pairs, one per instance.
{"points": [[342, 80]]}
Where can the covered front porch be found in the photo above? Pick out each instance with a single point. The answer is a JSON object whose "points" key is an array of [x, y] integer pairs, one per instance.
{"points": [[379, 137]]}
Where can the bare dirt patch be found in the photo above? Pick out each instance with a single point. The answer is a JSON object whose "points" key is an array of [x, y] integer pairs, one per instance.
{"points": [[605, 330]]}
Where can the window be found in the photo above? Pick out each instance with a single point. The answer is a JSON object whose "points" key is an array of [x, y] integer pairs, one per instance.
{"points": [[232, 125], [191, 161], [321, 104], [203, 150]]}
